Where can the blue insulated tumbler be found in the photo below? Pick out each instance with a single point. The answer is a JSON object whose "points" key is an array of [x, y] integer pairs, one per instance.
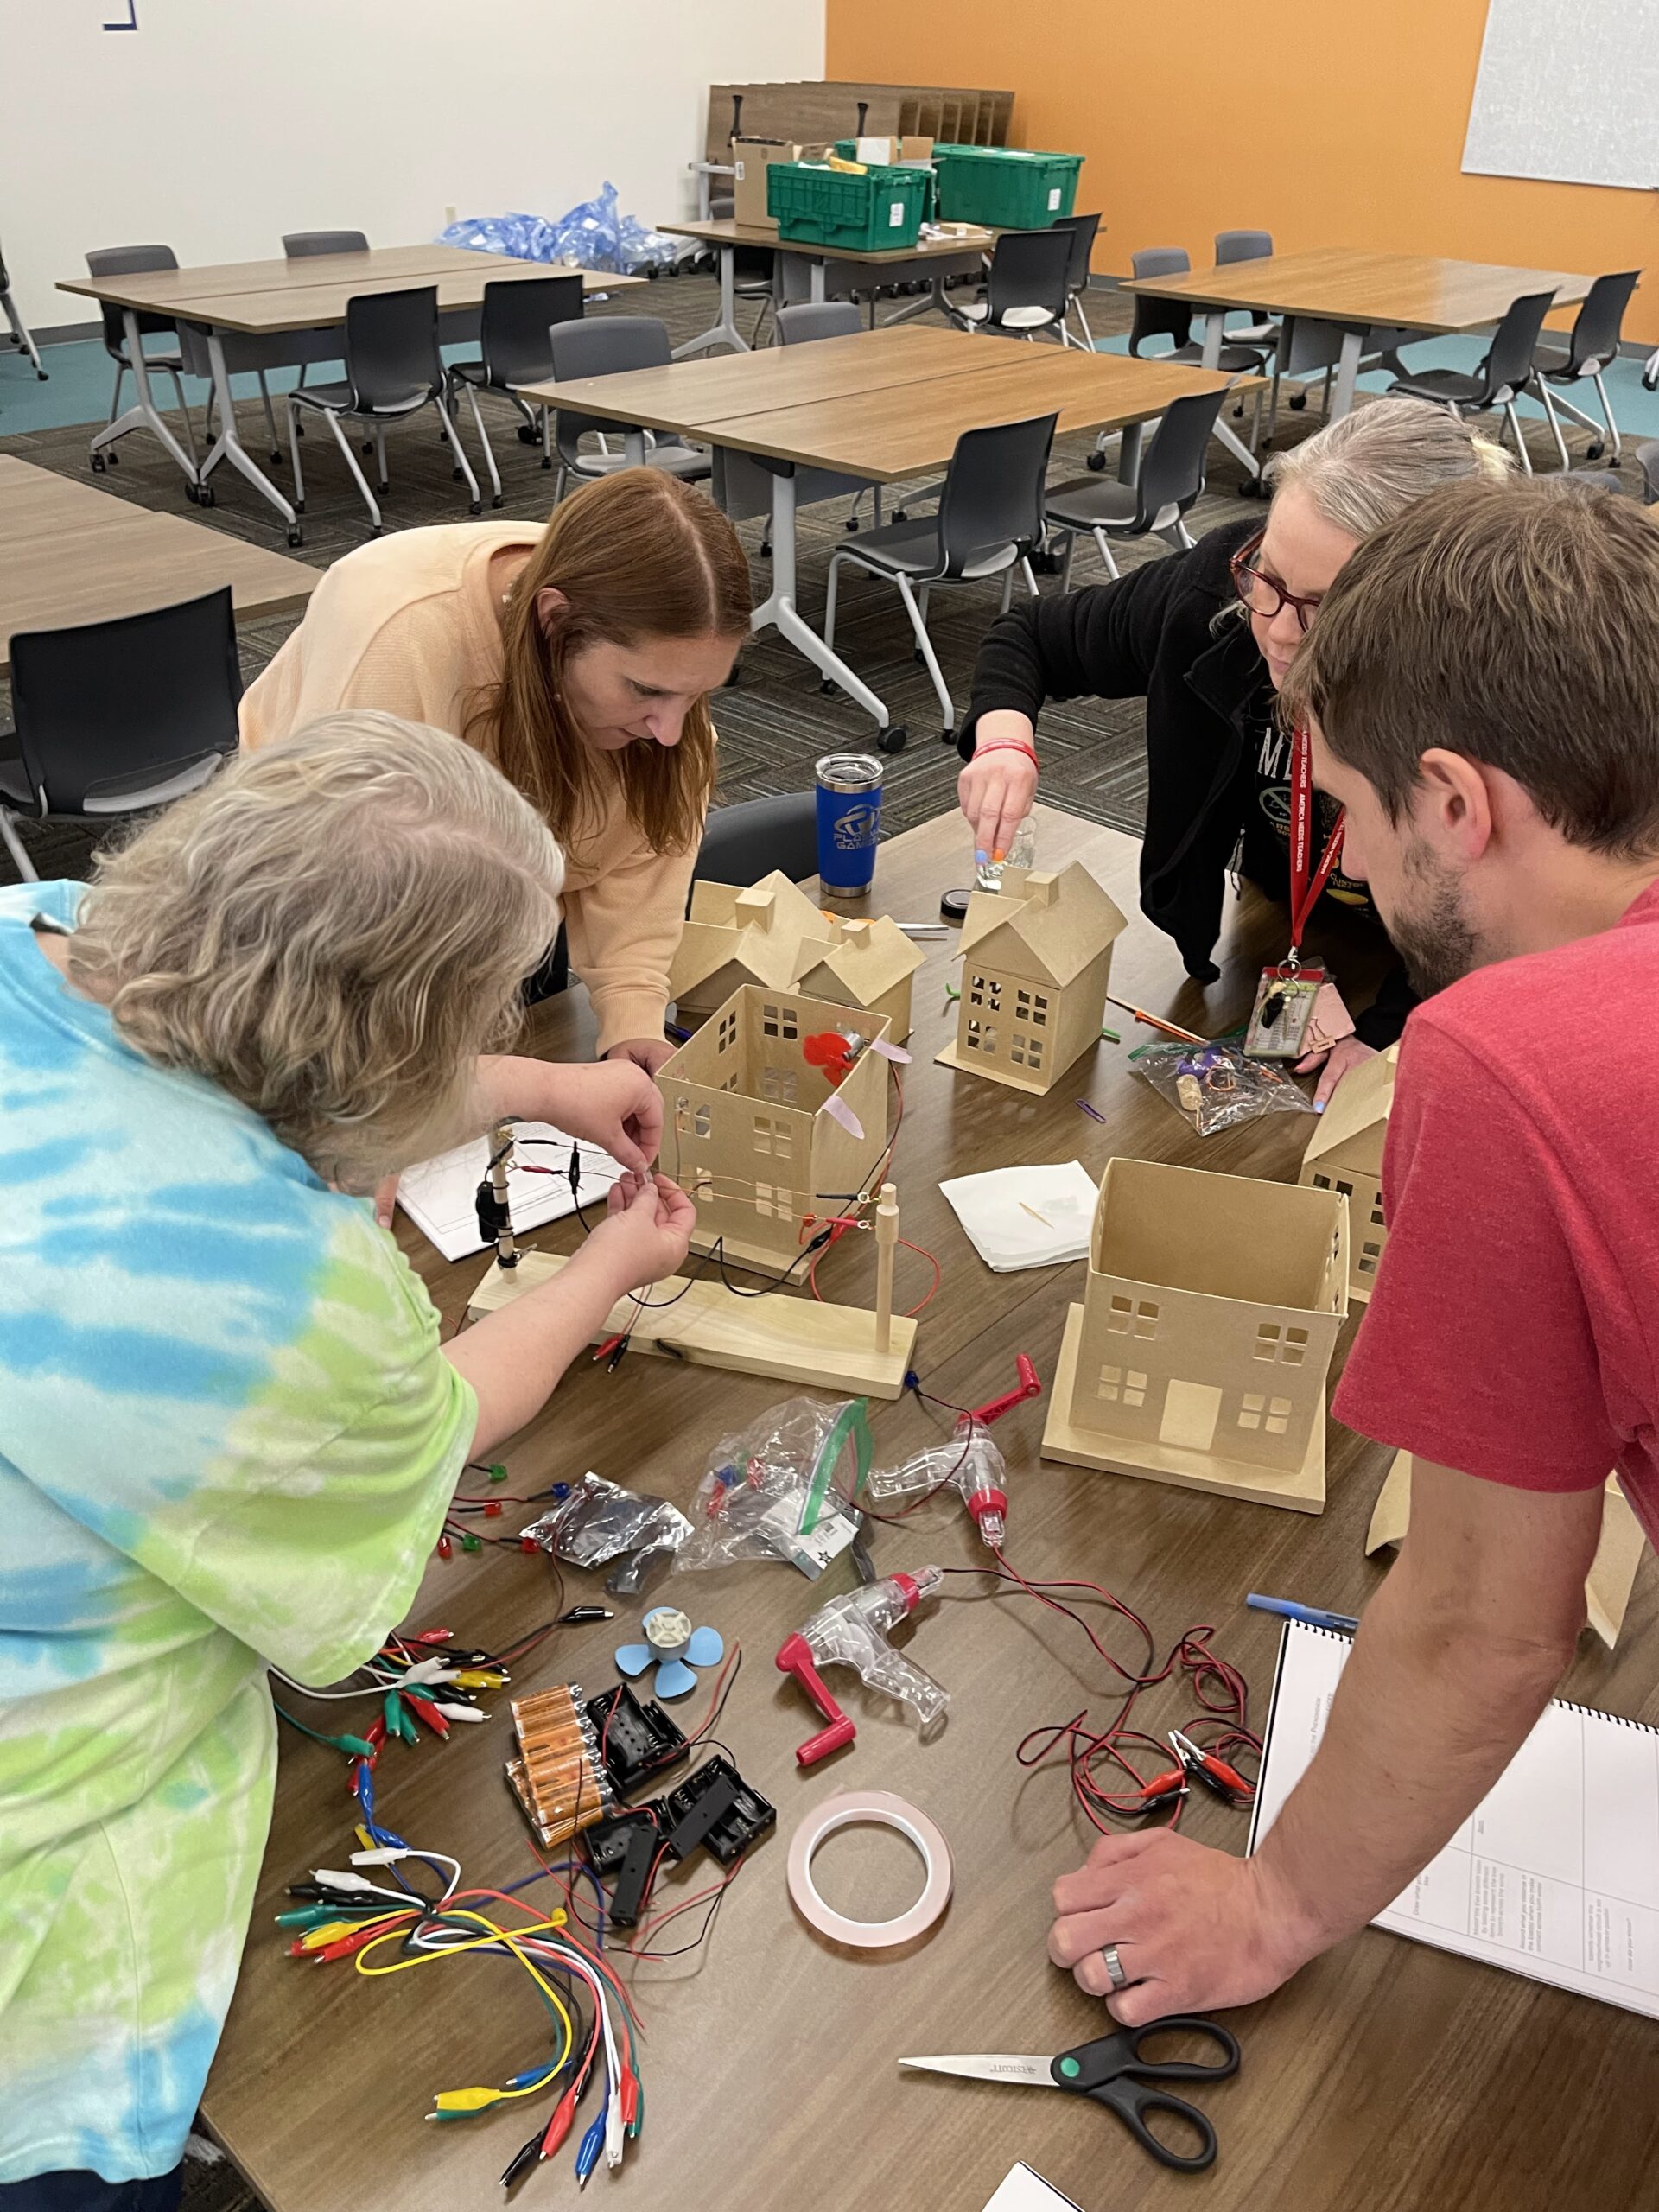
{"points": [[850, 821]]}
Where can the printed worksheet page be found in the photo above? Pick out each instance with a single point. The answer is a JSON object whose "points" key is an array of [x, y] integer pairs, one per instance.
{"points": [[1556, 1874], [439, 1196]]}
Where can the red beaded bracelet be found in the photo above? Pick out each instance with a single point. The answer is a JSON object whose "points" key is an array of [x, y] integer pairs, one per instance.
{"points": [[1008, 745]]}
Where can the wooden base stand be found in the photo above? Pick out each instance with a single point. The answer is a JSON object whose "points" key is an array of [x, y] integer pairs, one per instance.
{"points": [[1038, 1087], [1303, 1492], [791, 1339]]}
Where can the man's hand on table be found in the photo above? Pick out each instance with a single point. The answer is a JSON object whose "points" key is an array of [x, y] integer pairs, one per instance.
{"points": [[1195, 1928]]}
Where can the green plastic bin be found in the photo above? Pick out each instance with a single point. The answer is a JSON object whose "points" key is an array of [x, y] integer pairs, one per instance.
{"points": [[1004, 187], [863, 214]]}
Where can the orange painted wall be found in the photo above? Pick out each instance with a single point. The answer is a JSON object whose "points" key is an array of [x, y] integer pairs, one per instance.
{"points": [[1341, 124]]}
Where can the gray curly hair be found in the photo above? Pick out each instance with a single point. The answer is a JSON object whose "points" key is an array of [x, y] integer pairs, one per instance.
{"points": [[332, 930], [1366, 469]]}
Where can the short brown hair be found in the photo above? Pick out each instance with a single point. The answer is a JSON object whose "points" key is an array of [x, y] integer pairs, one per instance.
{"points": [[1516, 623], [638, 555]]}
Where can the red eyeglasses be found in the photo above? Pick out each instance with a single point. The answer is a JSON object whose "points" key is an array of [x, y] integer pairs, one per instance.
{"points": [[1262, 593]]}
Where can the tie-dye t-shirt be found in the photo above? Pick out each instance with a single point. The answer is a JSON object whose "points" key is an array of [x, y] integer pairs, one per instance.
{"points": [[227, 1435]]}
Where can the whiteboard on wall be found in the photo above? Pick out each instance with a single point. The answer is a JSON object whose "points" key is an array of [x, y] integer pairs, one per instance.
{"points": [[1568, 90]]}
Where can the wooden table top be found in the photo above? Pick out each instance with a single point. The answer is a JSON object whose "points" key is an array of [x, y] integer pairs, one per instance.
{"points": [[725, 230], [70, 554], [1386, 2074], [1413, 291], [688, 394], [874, 421], [311, 293]]}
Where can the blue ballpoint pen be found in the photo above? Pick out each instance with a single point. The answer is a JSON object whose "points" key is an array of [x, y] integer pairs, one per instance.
{"points": [[1310, 1614]]}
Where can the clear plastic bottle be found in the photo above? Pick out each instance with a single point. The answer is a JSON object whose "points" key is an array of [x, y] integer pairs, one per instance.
{"points": [[1022, 852]]}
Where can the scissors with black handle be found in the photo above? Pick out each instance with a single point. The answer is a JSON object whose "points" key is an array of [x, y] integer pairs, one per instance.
{"points": [[1112, 2071]]}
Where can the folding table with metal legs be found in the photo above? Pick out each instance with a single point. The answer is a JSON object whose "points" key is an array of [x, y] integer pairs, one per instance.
{"points": [[725, 332], [228, 446]]}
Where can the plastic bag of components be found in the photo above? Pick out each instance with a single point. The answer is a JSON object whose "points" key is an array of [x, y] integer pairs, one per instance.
{"points": [[600, 1522], [593, 235], [1214, 1087], [784, 1488]]}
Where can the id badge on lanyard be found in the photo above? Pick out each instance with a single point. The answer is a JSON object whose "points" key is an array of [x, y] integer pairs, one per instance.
{"points": [[1287, 995]]}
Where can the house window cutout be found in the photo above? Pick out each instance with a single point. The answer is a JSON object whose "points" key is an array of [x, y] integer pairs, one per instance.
{"points": [[681, 1115], [702, 1186], [1321, 1182], [1278, 1419], [1110, 1378], [702, 1123], [1017, 1056], [730, 1082], [1038, 1020], [763, 1198], [1134, 1388], [971, 1039], [1039, 1002], [1191, 1410], [976, 998], [779, 1083], [1377, 1222], [1267, 1340], [790, 1022], [1250, 1412], [727, 1032], [1146, 1318], [1369, 1256], [762, 1133], [1120, 1319], [1295, 1348], [990, 1044], [1347, 1189], [1035, 1051], [769, 1021]]}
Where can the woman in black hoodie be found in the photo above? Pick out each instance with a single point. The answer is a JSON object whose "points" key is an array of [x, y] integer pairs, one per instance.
{"points": [[1205, 637]]}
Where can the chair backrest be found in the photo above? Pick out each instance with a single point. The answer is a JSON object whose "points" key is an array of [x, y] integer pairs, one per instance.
{"points": [[1171, 469], [1596, 331], [1083, 229], [1243, 245], [129, 261], [991, 507], [1159, 318], [513, 334], [743, 842], [125, 703], [1028, 270], [608, 346], [300, 245], [799, 325], [1507, 364], [391, 345]]}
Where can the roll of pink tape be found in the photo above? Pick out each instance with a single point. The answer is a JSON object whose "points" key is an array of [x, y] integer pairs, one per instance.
{"points": [[884, 1810]]}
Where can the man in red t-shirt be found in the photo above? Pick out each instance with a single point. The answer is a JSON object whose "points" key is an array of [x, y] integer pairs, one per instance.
{"points": [[1482, 694]]}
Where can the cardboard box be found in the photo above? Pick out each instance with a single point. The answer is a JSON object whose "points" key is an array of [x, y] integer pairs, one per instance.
{"points": [[1199, 1355], [1345, 1153], [753, 157], [894, 153]]}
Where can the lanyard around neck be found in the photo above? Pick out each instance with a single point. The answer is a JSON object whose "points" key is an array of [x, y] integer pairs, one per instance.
{"points": [[1304, 891]]}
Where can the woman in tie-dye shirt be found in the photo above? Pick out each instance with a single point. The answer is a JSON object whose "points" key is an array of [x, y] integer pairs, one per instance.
{"points": [[228, 1431]]}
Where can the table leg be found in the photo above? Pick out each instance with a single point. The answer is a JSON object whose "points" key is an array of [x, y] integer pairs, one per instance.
{"points": [[779, 610], [1236, 447], [145, 414], [1342, 399], [725, 332], [230, 447], [815, 279], [1212, 326]]}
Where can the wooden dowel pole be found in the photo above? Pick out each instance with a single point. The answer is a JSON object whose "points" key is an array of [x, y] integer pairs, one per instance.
{"points": [[886, 1241], [506, 1252]]}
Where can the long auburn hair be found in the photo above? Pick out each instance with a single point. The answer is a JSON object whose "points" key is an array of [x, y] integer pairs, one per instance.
{"points": [[636, 554]]}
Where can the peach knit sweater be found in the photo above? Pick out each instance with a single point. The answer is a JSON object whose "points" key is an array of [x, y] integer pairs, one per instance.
{"points": [[409, 624]]}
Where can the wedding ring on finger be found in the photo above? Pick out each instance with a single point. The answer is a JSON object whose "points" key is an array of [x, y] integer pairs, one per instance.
{"points": [[1114, 1967]]}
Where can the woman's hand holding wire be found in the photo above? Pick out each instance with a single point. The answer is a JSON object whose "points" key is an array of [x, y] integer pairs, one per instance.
{"points": [[647, 1232], [615, 1105]]}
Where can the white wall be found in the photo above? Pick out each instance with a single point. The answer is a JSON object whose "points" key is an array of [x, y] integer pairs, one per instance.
{"points": [[219, 124]]}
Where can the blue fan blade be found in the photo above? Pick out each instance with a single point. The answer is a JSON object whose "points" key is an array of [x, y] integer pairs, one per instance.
{"points": [[633, 1658], [674, 1678], [706, 1648]]}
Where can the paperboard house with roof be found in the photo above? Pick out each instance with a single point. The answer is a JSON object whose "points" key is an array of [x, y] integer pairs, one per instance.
{"points": [[1199, 1354], [760, 1135], [865, 966], [732, 936], [1036, 959], [1345, 1153]]}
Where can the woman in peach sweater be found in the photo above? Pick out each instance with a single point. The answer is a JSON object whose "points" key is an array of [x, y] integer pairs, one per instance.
{"points": [[579, 659]]}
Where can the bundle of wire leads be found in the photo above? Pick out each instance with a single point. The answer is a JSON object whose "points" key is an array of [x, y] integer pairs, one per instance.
{"points": [[349, 1914]]}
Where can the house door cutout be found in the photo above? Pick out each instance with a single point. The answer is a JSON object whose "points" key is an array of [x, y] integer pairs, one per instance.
{"points": [[1191, 1411]]}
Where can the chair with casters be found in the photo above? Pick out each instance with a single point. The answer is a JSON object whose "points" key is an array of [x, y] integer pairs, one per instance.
{"points": [[743, 842], [608, 346], [1082, 230], [1593, 343], [393, 369], [1502, 376], [22, 336], [137, 261], [114, 718], [1170, 481], [515, 349], [989, 515], [799, 325], [1152, 317], [1026, 288]]}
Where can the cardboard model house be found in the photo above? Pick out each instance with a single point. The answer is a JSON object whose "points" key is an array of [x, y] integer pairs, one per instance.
{"points": [[747, 1129], [772, 934], [1199, 1354], [1036, 959], [1345, 1153], [732, 936]]}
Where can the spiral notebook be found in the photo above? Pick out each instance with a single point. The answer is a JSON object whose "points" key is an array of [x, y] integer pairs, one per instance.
{"points": [[1556, 1875]]}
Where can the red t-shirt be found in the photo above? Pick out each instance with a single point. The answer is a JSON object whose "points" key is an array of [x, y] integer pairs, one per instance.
{"points": [[1514, 1331]]}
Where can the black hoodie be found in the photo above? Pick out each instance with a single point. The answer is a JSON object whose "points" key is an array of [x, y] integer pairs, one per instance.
{"points": [[1208, 709]]}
